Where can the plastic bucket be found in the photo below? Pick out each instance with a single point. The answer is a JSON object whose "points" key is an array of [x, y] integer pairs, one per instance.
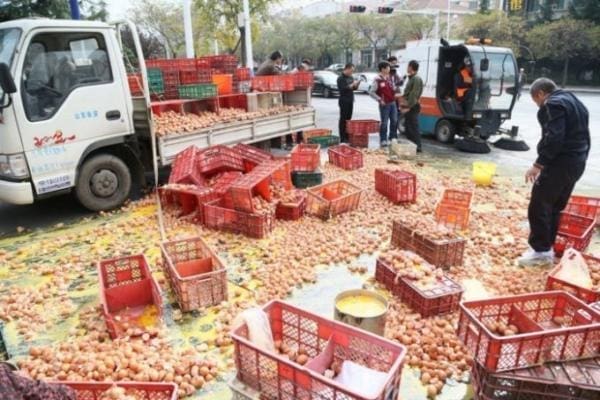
{"points": [[374, 323], [483, 172]]}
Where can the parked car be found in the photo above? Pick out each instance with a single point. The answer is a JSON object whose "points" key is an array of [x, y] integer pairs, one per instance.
{"points": [[366, 79], [337, 68], [325, 84]]}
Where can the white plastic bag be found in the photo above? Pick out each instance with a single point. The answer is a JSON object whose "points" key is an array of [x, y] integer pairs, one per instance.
{"points": [[362, 380], [574, 270], [259, 328]]}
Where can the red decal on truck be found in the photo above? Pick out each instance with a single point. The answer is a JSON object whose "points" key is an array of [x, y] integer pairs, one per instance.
{"points": [[57, 138]]}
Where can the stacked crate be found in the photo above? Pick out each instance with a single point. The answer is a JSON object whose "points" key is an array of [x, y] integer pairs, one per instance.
{"points": [[306, 162], [359, 129]]}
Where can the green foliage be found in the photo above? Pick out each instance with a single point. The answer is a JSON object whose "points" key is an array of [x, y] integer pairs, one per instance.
{"points": [[505, 31], [585, 9], [546, 13], [565, 39], [161, 18], [484, 6], [56, 9]]}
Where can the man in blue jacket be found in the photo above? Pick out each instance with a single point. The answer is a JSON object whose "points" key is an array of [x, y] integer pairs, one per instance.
{"points": [[562, 153]]}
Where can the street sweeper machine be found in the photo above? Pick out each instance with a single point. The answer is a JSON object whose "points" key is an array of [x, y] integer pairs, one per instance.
{"points": [[470, 89]]}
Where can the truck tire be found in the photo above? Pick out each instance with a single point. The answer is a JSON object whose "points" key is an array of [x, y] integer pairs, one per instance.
{"points": [[103, 183], [445, 131]]}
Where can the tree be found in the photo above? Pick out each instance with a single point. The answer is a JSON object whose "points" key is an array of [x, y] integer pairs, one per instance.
{"points": [[504, 30], [163, 18], [585, 9], [56, 9], [152, 47], [546, 12], [563, 40], [484, 6]]}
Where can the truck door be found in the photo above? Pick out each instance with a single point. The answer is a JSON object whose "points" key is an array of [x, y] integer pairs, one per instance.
{"points": [[71, 96]]}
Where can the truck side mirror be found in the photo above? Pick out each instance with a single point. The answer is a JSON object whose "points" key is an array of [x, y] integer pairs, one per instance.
{"points": [[7, 83], [484, 65]]}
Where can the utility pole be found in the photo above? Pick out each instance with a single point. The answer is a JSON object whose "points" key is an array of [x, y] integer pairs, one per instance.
{"points": [[248, 36], [74, 9], [187, 27]]}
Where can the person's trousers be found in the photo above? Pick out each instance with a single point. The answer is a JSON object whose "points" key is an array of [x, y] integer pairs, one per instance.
{"points": [[388, 114], [346, 108], [549, 196], [411, 125]]}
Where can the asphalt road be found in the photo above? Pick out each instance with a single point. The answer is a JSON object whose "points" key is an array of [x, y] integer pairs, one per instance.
{"points": [[65, 208]]}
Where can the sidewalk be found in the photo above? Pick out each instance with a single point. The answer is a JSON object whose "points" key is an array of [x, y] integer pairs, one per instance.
{"points": [[576, 89]]}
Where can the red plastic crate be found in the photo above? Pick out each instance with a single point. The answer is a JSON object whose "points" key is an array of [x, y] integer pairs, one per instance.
{"points": [[252, 155], [442, 299], [126, 284], [255, 183], [397, 186], [276, 377], [540, 340], [454, 209], [273, 83], [189, 199], [573, 380], [573, 231], [585, 206], [135, 84], [303, 80], [441, 253], [332, 198], [233, 101], [596, 306], [345, 157], [242, 74], [140, 390], [362, 126], [587, 295], [219, 217], [306, 157], [184, 169], [223, 62], [219, 158], [359, 140], [197, 275], [292, 211], [222, 182], [310, 133]]}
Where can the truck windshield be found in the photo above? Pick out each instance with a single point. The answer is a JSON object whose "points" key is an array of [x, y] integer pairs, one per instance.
{"points": [[497, 86]]}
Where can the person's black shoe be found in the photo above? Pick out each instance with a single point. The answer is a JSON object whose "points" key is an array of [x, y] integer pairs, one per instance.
{"points": [[419, 150]]}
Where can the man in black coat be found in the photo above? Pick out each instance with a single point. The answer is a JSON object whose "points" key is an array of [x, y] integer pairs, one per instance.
{"points": [[562, 153], [347, 85]]}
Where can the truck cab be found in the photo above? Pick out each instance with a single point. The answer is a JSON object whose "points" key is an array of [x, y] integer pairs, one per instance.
{"points": [[68, 121]]}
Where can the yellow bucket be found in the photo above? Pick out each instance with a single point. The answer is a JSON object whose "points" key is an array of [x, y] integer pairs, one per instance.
{"points": [[483, 172]]}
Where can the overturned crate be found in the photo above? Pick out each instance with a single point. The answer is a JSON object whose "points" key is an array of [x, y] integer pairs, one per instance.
{"points": [[333, 198]]}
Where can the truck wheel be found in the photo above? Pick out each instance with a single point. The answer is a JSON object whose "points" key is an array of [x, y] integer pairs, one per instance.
{"points": [[104, 183], [445, 131]]}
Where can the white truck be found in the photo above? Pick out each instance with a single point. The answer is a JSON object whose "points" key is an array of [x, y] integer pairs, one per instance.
{"points": [[69, 122]]}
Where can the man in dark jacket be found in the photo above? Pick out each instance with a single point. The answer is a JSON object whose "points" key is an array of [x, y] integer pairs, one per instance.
{"points": [[347, 85], [272, 66], [562, 153], [412, 98]]}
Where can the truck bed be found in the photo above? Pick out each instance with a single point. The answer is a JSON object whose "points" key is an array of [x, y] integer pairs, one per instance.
{"points": [[236, 132]]}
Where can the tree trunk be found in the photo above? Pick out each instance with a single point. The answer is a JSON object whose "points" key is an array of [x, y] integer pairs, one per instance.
{"points": [[565, 72]]}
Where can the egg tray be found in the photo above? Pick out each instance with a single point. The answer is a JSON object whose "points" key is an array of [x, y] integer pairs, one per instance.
{"points": [[587, 295], [572, 380], [202, 282], [542, 336], [141, 390], [439, 300], [274, 376], [441, 253]]}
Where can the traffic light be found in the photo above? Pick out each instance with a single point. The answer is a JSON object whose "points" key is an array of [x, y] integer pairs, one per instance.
{"points": [[358, 9], [385, 10], [516, 5]]}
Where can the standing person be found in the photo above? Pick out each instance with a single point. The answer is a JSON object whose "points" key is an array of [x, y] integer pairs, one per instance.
{"points": [[272, 66], [346, 85], [383, 91], [305, 65], [398, 82], [412, 95], [562, 153]]}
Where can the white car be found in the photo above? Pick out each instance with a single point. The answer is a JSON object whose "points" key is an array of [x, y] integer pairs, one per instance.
{"points": [[366, 79]]}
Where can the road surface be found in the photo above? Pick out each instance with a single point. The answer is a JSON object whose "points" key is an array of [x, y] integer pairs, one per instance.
{"points": [[65, 208]]}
